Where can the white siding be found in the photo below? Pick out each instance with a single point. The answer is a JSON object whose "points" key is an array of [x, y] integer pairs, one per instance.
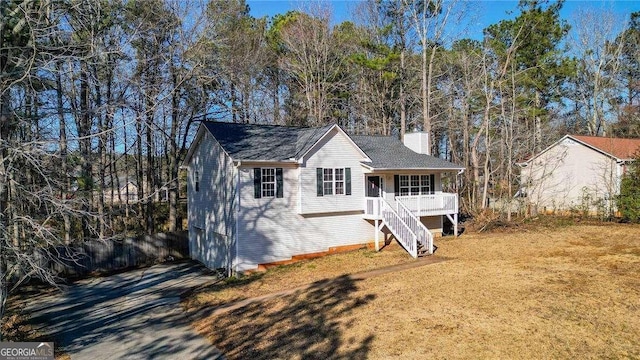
{"points": [[570, 176], [212, 210], [272, 229], [334, 151]]}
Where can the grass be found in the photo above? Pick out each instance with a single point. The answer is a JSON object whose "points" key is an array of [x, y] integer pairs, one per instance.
{"points": [[294, 275], [564, 292]]}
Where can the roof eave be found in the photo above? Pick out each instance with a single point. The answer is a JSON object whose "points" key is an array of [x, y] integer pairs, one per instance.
{"points": [[254, 161], [413, 168], [192, 148]]}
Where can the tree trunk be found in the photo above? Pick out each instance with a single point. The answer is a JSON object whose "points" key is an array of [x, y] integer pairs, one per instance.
{"points": [[84, 130], [173, 156], [149, 201], [66, 182], [403, 100], [102, 161]]}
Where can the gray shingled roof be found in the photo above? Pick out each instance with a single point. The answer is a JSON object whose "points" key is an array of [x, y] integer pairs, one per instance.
{"points": [[278, 143], [387, 152], [264, 142]]}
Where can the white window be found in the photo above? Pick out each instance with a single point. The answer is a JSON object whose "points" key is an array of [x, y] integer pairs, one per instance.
{"points": [[339, 181], [404, 185], [425, 184], [268, 182], [415, 185], [336, 181], [327, 181]]}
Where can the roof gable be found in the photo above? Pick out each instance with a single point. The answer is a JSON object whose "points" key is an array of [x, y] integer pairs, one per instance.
{"points": [[340, 132], [194, 144], [253, 142], [617, 148]]}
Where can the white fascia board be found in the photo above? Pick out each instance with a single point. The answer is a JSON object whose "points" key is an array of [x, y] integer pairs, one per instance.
{"points": [[461, 169], [194, 144], [365, 158], [249, 163]]}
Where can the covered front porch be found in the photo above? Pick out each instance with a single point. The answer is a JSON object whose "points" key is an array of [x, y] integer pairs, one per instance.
{"points": [[417, 191], [419, 205], [411, 205]]}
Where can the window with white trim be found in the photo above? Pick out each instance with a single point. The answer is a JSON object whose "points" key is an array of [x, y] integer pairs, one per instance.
{"points": [[333, 181], [327, 181], [339, 181], [425, 184], [404, 185], [268, 182], [415, 185]]}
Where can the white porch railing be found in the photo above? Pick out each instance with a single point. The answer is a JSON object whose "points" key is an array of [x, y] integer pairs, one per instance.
{"points": [[399, 228], [423, 235], [372, 208], [430, 205]]}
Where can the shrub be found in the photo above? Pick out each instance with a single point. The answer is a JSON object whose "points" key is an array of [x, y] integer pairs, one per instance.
{"points": [[629, 198]]}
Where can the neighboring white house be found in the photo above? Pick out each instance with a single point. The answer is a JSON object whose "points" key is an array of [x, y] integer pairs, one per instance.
{"points": [[128, 194], [259, 194], [577, 173]]}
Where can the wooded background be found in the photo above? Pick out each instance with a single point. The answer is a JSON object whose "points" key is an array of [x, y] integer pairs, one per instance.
{"points": [[94, 94]]}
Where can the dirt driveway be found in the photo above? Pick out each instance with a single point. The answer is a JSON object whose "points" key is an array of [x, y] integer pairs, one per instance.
{"points": [[132, 315]]}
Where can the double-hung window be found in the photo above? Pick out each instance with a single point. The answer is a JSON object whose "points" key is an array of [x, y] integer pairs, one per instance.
{"points": [[339, 181], [404, 185], [333, 181], [268, 187], [327, 179], [267, 183], [414, 184]]}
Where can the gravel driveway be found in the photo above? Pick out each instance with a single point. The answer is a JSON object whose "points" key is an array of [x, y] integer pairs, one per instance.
{"points": [[132, 315]]}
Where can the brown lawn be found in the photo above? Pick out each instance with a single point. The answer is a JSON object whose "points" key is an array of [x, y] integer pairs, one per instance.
{"points": [[571, 292]]}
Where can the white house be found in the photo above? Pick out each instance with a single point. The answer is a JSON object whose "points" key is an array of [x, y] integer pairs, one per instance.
{"points": [[128, 194], [577, 173], [260, 194]]}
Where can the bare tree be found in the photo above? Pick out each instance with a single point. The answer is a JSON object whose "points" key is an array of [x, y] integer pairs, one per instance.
{"points": [[33, 195], [429, 21], [310, 59], [599, 61]]}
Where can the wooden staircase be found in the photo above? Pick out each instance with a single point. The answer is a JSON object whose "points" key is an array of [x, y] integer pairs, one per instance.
{"points": [[406, 227]]}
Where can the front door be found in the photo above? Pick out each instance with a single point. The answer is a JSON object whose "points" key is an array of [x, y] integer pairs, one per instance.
{"points": [[373, 186]]}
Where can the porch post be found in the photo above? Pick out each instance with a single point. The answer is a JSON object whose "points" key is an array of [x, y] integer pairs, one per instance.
{"points": [[377, 236], [455, 224]]}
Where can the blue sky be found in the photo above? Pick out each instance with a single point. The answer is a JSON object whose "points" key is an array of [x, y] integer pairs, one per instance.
{"points": [[483, 13]]}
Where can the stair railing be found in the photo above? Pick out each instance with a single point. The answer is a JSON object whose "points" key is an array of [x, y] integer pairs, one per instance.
{"points": [[399, 229], [423, 235]]}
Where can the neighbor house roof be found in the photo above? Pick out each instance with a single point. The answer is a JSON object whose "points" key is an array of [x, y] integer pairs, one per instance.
{"points": [[389, 153], [622, 149], [617, 148]]}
